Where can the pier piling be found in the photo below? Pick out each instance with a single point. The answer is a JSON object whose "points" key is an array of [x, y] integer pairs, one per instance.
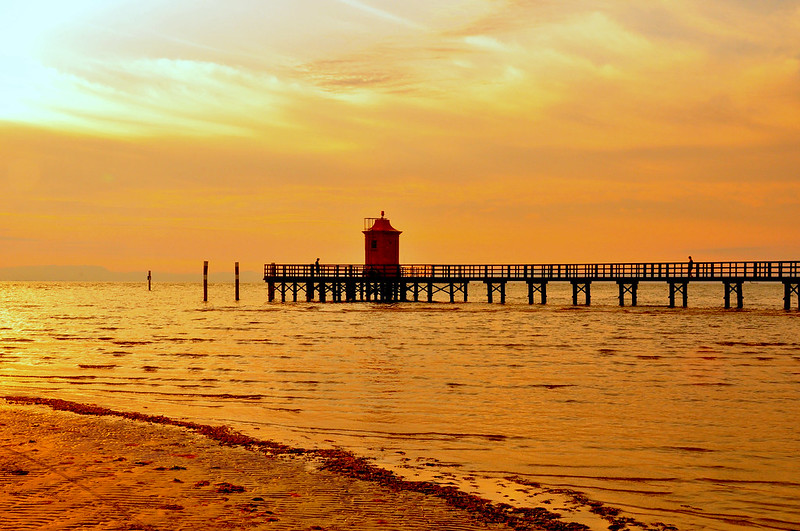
{"points": [[791, 287], [537, 287], [581, 286], [733, 287], [676, 288], [627, 286]]}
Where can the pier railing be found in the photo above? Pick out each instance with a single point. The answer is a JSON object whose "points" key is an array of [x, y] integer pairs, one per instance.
{"points": [[641, 271]]}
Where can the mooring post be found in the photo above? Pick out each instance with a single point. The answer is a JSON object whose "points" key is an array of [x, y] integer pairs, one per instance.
{"points": [[787, 296], [205, 281], [236, 270], [149, 276], [271, 285]]}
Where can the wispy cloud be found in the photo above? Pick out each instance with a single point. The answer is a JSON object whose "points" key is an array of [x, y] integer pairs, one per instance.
{"points": [[380, 13]]}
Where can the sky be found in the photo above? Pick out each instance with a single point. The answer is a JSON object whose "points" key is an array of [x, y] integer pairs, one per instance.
{"points": [[153, 135]]}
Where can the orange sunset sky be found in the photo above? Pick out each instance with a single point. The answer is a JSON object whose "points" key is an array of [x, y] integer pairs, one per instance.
{"points": [[157, 134]]}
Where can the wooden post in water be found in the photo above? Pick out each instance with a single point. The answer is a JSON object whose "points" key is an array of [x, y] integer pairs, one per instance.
{"points": [[149, 276], [236, 270], [205, 281], [271, 285]]}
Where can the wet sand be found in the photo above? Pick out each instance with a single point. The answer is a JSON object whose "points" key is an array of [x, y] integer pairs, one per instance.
{"points": [[71, 466]]}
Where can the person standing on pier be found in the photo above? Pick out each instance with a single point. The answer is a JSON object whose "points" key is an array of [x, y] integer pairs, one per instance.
{"points": [[316, 267], [691, 265]]}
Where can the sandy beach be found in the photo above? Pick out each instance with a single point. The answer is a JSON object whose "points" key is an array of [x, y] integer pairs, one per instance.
{"points": [[61, 469]]}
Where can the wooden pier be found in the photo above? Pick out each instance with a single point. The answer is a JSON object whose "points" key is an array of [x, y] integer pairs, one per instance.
{"points": [[406, 283]]}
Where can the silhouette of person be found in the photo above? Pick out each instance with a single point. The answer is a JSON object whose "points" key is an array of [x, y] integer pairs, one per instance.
{"points": [[316, 266], [691, 265]]}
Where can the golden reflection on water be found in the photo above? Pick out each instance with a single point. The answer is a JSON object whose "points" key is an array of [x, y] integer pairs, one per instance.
{"points": [[674, 415]]}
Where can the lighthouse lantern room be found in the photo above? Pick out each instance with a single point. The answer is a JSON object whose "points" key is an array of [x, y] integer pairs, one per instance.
{"points": [[381, 242]]}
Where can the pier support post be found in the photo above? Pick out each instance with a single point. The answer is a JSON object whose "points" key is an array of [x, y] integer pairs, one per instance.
{"points": [[628, 286], [430, 291], [491, 287], [149, 277], [534, 287], [791, 287], [581, 286], [734, 286], [388, 291], [350, 290], [679, 287], [309, 291]]}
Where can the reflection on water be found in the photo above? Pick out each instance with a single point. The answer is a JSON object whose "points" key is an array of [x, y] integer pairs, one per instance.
{"points": [[681, 416]]}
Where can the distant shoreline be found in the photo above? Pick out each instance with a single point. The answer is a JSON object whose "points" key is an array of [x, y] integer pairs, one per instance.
{"points": [[102, 274]]}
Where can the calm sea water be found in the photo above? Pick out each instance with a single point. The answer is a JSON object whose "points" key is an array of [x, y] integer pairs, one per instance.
{"points": [[685, 416]]}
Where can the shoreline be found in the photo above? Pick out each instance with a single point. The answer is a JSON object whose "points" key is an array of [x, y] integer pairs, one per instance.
{"points": [[35, 431]]}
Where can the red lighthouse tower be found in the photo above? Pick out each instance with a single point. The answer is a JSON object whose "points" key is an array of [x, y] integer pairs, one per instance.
{"points": [[381, 246]]}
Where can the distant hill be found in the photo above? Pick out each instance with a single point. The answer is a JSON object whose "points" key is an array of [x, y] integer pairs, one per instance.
{"points": [[102, 274]]}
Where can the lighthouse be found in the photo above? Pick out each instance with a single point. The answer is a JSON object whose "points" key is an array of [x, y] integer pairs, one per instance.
{"points": [[381, 246]]}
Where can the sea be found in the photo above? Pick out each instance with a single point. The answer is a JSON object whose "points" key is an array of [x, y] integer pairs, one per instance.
{"points": [[684, 416]]}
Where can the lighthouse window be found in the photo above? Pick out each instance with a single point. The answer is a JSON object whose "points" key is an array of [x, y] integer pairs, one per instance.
{"points": [[374, 244]]}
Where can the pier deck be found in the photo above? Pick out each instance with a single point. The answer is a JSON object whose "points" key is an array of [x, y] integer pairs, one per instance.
{"points": [[415, 282]]}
